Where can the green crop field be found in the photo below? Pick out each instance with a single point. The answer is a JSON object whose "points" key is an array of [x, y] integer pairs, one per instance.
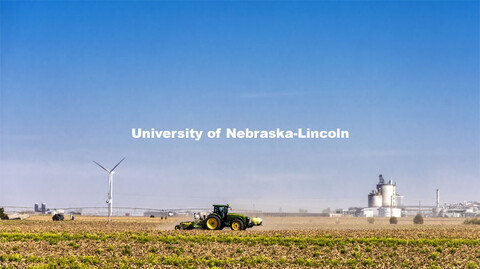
{"points": [[90, 242]]}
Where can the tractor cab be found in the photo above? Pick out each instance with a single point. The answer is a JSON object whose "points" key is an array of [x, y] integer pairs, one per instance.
{"points": [[221, 211]]}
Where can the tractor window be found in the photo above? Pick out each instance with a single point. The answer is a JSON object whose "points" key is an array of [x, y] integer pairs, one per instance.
{"points": [[220, 211]]}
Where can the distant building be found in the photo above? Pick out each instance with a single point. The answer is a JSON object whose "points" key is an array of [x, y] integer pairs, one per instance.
{"points": [[43, 209], [465, 209], [384, 200]]}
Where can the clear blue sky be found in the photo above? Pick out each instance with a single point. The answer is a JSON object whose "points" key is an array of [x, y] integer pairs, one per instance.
{"points": [[402, 77]]}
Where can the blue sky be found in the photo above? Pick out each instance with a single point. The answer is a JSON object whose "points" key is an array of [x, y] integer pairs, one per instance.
{"points": [[402, 77]]}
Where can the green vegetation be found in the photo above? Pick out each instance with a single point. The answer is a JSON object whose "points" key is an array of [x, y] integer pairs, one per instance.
{"points": [[302, 242], [25, 245], [393, 220], [3, 216], [371, 220], [418, 219], [475, 221]]}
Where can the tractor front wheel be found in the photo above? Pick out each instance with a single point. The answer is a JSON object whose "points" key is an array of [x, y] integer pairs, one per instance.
{"points": [[178, 227], [237, 225], [213, 223]]}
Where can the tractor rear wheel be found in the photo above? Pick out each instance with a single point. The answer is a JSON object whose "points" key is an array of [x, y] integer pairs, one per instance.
{"points": [[213, 223], [237, 225]]}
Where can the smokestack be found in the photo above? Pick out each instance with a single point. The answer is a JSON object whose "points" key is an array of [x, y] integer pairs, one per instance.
{"points": [[438, 198]]}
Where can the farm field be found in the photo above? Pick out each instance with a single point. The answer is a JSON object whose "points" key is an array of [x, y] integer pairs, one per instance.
{"points": [[283, 242]]}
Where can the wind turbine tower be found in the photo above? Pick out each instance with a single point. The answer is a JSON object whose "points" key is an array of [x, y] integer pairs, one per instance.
{"points": [[110, 184]]}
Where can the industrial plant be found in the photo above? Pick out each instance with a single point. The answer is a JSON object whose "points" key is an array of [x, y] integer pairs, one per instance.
{"points": [[384, 200]]}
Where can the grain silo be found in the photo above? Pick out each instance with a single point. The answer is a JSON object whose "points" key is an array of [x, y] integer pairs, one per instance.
{"points": [[388, 194], [398, 200], [374, 199], [385, 199]]}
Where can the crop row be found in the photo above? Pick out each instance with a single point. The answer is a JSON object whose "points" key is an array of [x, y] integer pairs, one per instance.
{"points": [[186, 254], [153, 260], [53, 238]]}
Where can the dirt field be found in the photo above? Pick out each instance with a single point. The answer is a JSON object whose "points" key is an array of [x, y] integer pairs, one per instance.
{"points": [[271, 223], [324, 223], [285, 242]]}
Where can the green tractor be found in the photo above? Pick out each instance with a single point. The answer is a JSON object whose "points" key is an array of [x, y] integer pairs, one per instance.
{"points": [[219, 219]]}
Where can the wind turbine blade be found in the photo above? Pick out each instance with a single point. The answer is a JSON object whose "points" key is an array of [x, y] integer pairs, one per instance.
{"points": [[101, 166], [118, 164]]}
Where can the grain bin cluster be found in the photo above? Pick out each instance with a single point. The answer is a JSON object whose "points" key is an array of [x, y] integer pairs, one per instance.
{"points": [[384, 201]]}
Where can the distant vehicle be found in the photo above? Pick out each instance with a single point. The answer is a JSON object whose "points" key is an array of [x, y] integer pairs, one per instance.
{"points": [[219, 219], [59, 215]]}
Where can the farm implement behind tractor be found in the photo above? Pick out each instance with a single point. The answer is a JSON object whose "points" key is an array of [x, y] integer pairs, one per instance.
{"points": [[219, 219]]}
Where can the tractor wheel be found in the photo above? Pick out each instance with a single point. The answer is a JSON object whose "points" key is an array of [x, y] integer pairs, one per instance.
{"points": [[237, 225], [178, 227], [213, 223]]}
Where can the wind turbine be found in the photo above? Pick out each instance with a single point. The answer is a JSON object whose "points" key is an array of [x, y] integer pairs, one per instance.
{"points": [[110, 183]]}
